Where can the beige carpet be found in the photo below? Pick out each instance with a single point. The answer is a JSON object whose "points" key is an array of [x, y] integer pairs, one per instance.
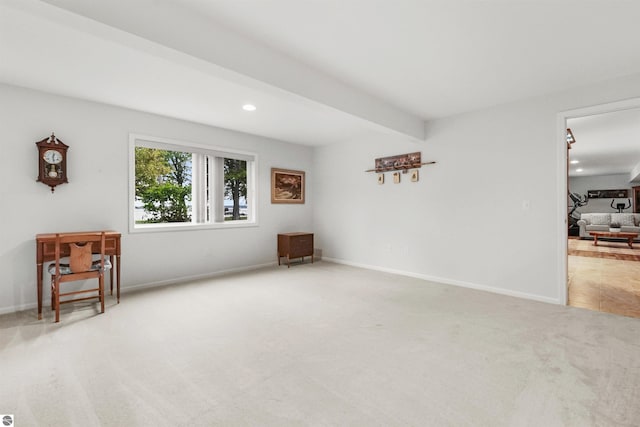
{"points": [[321, 345]]}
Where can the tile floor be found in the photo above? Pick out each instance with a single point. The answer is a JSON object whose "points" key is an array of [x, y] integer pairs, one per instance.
{"points": [[605, 284]]}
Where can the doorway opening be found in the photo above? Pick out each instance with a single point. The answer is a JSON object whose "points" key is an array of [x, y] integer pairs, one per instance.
{"points": [[602, 216]]}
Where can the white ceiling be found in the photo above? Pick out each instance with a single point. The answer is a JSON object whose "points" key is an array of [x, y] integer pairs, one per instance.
{"points": [[319, 71], [605, 143], [436, 58]]}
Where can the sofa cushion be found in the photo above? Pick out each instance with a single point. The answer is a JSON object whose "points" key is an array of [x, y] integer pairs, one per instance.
{"points": [[629, 229], [597, 227], [600, 219], [623, 219]]}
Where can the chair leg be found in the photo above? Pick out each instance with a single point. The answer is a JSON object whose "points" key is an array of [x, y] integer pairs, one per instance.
{"points": [[101, 280], [53, 301], [111, 275], [57, 292]]}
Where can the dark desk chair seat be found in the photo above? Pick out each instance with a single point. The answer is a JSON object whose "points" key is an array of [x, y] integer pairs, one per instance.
{"points": [[66, 268], [81, 266]]}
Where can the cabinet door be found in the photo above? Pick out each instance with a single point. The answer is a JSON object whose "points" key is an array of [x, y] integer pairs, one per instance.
{"points": [[283, 245], [302, 245], [636, 199]]}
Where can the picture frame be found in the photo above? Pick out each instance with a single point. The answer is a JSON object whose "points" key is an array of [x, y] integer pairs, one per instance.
{"points": [[396, 177], [401, 162], [608, 194], [380, 178], [287, 186]]}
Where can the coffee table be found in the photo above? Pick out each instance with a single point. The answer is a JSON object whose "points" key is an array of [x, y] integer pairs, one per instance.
{"points": [[613, 235]]}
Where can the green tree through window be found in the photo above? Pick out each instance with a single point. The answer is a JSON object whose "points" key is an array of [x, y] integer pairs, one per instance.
{"points": [[235, 183], [163, 184]]}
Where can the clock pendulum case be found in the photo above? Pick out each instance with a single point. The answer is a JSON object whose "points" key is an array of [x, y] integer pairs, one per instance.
{"points": [[52, 161]]}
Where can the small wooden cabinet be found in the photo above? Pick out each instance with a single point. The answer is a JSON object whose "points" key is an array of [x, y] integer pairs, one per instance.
{"points": [[295, 245], [636, 199]]}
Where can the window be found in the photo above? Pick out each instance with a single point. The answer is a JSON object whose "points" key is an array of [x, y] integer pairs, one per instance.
{"points": [[175, 185]]}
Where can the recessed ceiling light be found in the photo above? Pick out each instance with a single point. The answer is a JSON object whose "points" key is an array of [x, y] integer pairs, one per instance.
{"points": [[574, 162], [249, 107], [579, 170]]}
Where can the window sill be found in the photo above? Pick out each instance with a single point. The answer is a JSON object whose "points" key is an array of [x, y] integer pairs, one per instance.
{"points": [[155, 228]]}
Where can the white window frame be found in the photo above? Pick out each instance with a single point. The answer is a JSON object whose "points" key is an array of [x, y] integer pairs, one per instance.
{"points": [[197, 181]]}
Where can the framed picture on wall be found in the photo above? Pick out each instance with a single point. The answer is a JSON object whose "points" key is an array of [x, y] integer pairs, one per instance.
{"points": [[287, 186], [607, 194]]}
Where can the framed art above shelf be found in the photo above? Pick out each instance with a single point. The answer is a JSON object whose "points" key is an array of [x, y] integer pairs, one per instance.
{"points": [[401, 162]]}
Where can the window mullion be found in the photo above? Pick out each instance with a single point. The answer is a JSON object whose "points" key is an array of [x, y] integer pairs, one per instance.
{"points": [[217, 196], [198, 189], [250, 198]]}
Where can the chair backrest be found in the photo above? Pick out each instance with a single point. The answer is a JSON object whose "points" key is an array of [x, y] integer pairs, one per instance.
{"points": [[80, 257], [81, 247]]}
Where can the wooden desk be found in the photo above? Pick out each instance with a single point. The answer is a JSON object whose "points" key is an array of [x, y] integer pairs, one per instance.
{"points": [[45, 252]]}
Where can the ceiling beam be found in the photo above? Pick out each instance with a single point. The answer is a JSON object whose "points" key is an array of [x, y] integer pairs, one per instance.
{"points": [[235, 57]]}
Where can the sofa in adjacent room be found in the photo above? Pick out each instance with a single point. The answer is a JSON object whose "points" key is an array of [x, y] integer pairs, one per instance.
{"points": [[629, 222]]}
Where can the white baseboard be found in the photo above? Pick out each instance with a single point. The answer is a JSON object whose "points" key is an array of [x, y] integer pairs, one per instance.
{"points": [[443, 280], [17, 308], [447, 281], [195, 277], [123, 290]]}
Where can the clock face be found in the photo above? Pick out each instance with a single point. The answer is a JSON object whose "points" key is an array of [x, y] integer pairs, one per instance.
{"points": [[52, 157]]}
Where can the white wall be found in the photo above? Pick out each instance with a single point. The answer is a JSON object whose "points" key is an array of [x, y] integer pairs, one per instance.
{"points": [[463, 222], [97, 194], [496, 159], [582, 184]]}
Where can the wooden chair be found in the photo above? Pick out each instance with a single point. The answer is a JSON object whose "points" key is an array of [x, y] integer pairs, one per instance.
{"points": [[81, 266]]}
